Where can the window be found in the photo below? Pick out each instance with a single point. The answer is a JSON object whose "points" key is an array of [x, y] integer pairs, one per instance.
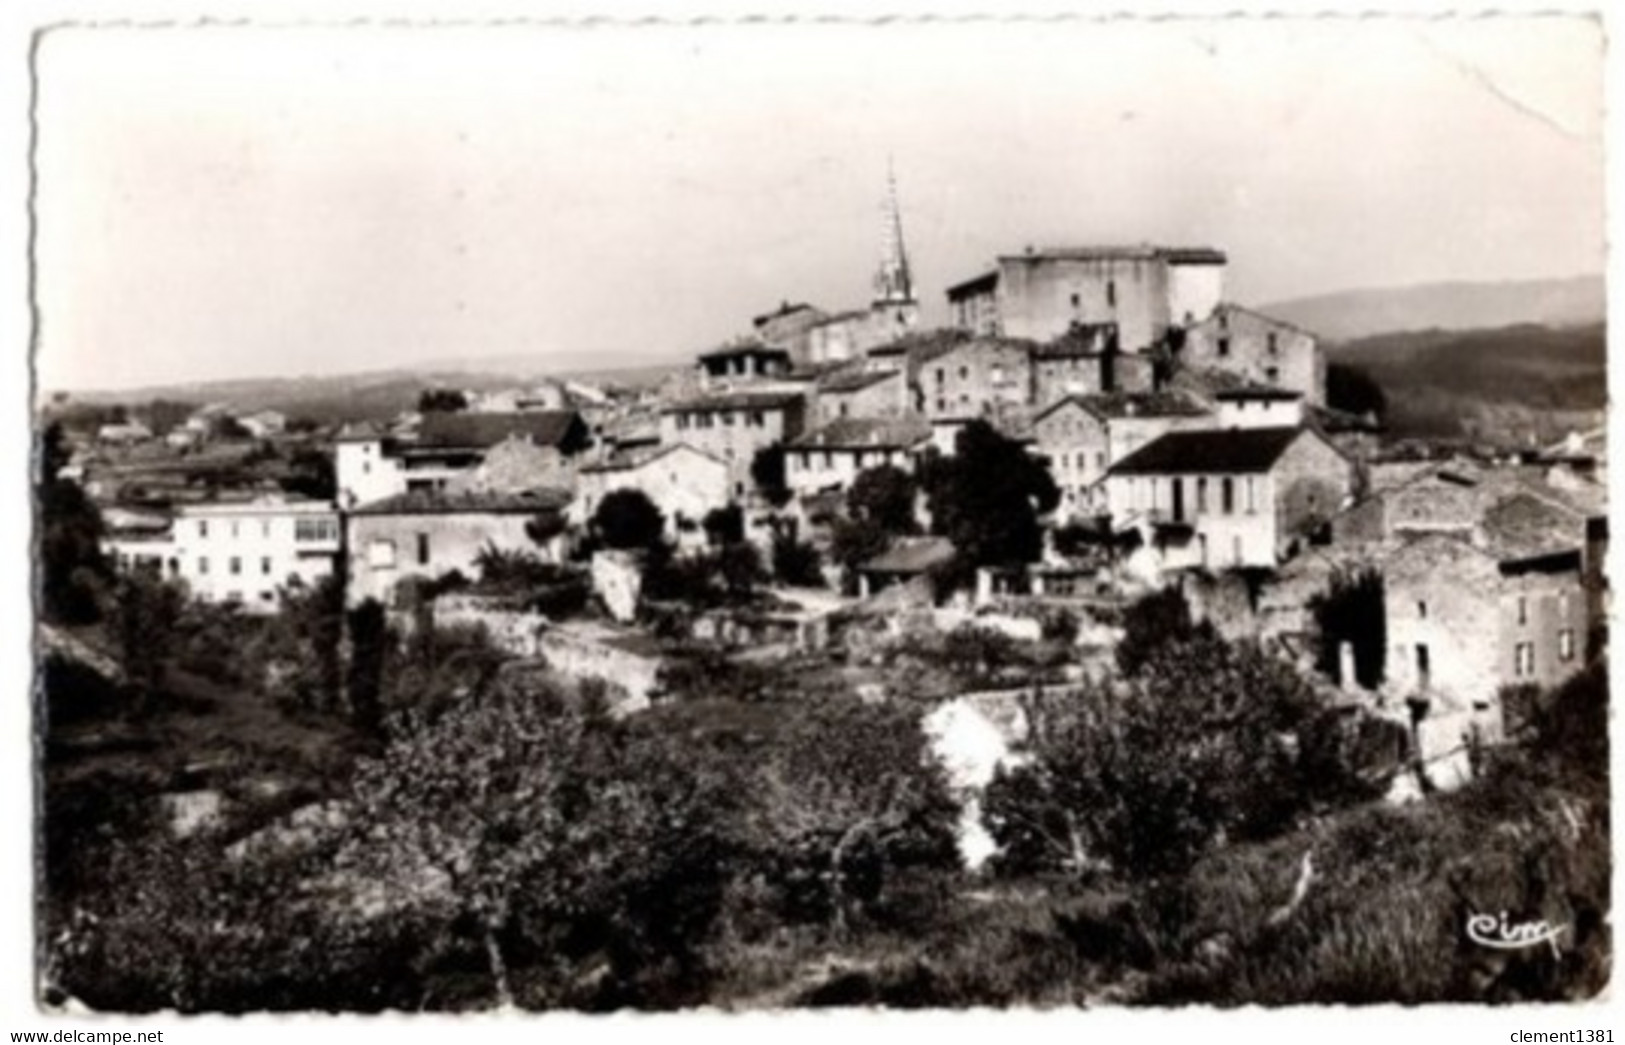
{"points": [[1252, 500], [235, 566], [942, 405], [1523, 609], [1272, 374], [1524, 660], [265, 528], [203, 527], [423, 549], [829, 459], [1424, 667], [265, 565], [1201, 495], [1422, 610], [758, 419], [1076, 301], [1274, 345], [381, 555], [941, 375], [1111, 294], [728, 418], [234, 531], [843, 409], [964, 372], [1224, 346], [203, 566], [1563, 605], [1235, 549], [318, 529], [1565, 644], [1227, 495]]}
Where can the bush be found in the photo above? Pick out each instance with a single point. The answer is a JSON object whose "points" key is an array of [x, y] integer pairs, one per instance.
{"points": [[796, 563], [628, 520], [1152, 622]]}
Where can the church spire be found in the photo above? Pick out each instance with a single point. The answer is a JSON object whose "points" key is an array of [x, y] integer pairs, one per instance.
{"points": [[893, 283]]}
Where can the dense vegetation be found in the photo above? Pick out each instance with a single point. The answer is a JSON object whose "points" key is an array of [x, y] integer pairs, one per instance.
{"points": [[1450, 383], [409, 819]]}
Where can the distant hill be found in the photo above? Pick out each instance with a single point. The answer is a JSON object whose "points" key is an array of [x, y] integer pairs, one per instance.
{"points": [[1512, 383], [374, 396], [1355, 314]]}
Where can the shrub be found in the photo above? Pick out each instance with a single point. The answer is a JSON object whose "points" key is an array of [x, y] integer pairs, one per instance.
{"points": [[796, 562]]}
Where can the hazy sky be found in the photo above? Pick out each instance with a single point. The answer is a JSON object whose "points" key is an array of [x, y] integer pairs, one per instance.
{"points": [[234, 202]]}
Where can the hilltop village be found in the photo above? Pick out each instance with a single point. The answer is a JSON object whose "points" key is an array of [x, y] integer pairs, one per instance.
{"points": [[1186, 439], [1102, 551]]}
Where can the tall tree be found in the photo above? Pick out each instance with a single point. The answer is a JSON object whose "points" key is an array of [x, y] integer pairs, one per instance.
{"points": [[884, 496], [73, 570], [988, 496]]}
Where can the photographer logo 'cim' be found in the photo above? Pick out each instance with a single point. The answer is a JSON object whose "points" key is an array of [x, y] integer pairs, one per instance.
{"points": [[1487, 930]]}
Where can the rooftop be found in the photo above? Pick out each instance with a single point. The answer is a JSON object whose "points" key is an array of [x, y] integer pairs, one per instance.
{"points": [[1135, 252], [744, 400], [448, 502], [638, 456], [854, 381], [463, 429], [865, 433], [1111, 406], [1249, 392], [1212, 451], [785, 309]]}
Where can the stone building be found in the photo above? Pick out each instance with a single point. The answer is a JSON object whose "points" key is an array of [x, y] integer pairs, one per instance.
{"points": [[446, 448], [425, 534], [684, 482], [862, 393], [1082, 436], [1229, 498], [1258, 348], [1465, 619], [734, 427], [1041, 294], [1087, 361], [977, 378], [832, 456]]}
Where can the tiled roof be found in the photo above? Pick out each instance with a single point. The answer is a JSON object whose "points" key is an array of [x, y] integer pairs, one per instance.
{"points": [[1136, 252], [1258, 392], [1215, 451], [476, 430], [786, 309], [444, 502], [734, 401], [1113, 405], [911, 555], [866, 433], [1524, 526], [855, 381], [637, 457]]}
